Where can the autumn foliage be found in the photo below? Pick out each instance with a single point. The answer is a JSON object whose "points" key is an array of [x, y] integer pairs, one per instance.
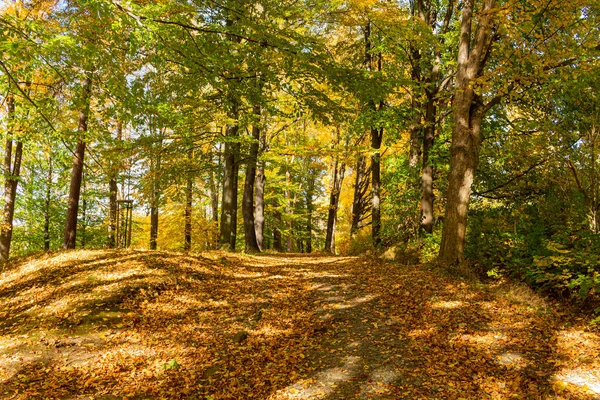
{"points": [[131, 324]]}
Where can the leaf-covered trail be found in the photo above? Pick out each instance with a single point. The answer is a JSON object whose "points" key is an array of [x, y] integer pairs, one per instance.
{"points": [[125, 324]]}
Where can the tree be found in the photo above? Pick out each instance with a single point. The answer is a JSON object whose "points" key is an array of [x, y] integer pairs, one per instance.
{"points": [[78, 164]]}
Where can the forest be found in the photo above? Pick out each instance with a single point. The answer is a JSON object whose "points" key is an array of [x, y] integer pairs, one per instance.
{"points": [[457, 136]]}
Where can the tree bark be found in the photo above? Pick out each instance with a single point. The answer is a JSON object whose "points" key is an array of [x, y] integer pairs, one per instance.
{"points": [[277, 244], [77, 170], [83, 212], [47, 206], [360, 202], [214, 199], [427, 197], [466, 134], [112, 212], [154, 223], [230, 189], [156, 192], [376, 138], [113, 191], [187, 243], [259, 204], [334, 197], [310, 191], [248, 198], [12, 170]]}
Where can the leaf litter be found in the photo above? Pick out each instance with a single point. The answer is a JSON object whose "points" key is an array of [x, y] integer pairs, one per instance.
{"points": [[136, 325]]}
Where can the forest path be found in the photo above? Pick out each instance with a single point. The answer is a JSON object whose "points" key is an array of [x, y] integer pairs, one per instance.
{"points": [[126, 324]]}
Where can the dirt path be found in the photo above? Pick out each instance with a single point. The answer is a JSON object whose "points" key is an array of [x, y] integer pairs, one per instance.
{"points": [[104, 325]]}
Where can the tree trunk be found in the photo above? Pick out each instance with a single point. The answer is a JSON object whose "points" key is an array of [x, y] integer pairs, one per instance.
{"points": [[360, 202], [187, 243], [155, 196], [289, 209], [427, 197], [154, 223], [12, 169], [277, 244], [376, 137], [214, 200], [83, 212], [466, 133], [113, 191], [414, 154], [229, 199], [309, 212], [112, 212], [77, 170], [47, 206], [334, 197], [259, 204], [248, 199]]}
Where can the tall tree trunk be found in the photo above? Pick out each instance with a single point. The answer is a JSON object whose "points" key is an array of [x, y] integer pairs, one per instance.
{"points": [[77, 170], [334, 198], [259, 204], [248, 199], [214, 200], [154, 222], [376, 137], [112, 212], [47, 206], [187, 244], [416, 138], [113, 190], [289, 210], [466, 133], [427, 197], [360, 206], [277, 244], [12, 170], [83, 212], [156, 193], [310, 190], [230, 189], [229, 201]]}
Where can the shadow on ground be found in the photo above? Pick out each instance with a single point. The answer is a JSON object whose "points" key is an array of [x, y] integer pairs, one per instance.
{"points": [[125, 324]]}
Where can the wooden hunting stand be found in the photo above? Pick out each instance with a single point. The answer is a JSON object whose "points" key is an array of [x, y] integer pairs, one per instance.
{"points": [[124, 219]]}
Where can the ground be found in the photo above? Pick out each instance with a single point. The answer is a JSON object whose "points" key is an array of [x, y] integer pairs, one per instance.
{"points": [[127, 324]]}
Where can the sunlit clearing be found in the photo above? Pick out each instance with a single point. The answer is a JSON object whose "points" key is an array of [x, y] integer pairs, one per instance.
{"points": [[378, 382], [269, 331], [512, 360], [588, 380], [446, 304], [418, 333], [349, 303], [323, 384], [478, 340]]}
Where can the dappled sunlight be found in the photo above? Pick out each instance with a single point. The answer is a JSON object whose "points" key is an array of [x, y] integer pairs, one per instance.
{"points": [[337, 302], [379, 382], [582, 349], [270, 330], [586, 379], [421, 333], [512, 360], [156, 324], [323, 383], [440, 305], [482, 340]]}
